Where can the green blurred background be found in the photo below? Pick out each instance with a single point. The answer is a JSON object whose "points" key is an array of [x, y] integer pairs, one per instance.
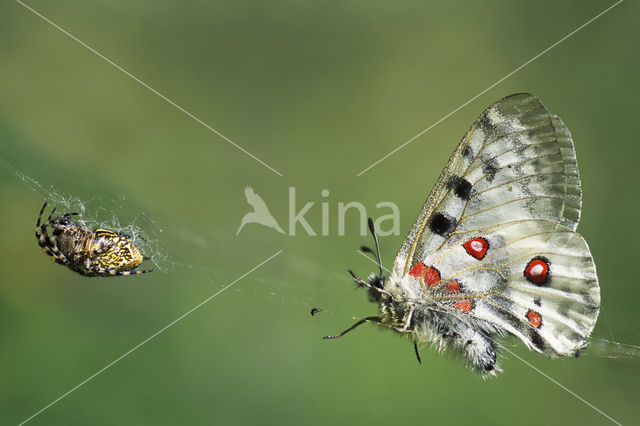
{"points": [[319, 91]]}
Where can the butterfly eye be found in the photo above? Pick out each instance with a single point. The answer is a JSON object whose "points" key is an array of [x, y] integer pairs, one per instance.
{"points": [[377, 281]]}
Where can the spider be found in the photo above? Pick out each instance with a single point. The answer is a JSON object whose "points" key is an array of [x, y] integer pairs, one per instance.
{"points": [[99, 253]]}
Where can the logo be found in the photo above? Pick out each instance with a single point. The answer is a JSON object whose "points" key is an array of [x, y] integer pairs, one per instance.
{"points": [[387, 217], [260, 214]]}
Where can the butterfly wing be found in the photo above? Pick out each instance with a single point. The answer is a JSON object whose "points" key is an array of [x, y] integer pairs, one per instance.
{"points": [[495, 240]]}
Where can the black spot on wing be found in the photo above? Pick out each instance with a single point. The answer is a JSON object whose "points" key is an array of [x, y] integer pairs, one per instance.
{"points": [[462, 188], [485, 124], [507, 306], [442, 224], [468, 153], [589, 303], [537, 340], [590, 310], [490, 169], [537, 301]]}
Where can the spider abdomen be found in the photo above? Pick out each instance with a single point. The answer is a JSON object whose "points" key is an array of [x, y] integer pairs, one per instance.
{"points": [[114, 250]]}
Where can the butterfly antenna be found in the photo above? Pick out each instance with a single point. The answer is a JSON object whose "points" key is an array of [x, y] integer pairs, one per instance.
{"points": [[375, 239]]}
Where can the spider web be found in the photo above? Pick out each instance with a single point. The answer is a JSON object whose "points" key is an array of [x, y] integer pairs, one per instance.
{"points": [[120, 214], [98, 213], [152, 239], [163, 243], [189, 257]]}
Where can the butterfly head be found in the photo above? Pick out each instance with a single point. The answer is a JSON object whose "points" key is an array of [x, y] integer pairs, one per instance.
{"points": [[374, 285], [376, 281]]}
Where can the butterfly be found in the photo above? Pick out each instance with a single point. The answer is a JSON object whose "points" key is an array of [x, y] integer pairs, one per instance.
{"points": [[494, 250]]}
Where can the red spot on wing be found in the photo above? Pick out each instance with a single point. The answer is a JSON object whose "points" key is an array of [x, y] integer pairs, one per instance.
{"points": [[465, 305], [418, 270], [534, 318], [537, 271], [429, 274], [452, 287], [477, 247]]}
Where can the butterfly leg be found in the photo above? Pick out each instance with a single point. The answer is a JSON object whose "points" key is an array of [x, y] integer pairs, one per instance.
{"points": [[407, 322], [415, 349], [377, 320]]}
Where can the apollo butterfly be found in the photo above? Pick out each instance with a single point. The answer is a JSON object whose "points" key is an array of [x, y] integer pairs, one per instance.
{"points": [[494, 250]]}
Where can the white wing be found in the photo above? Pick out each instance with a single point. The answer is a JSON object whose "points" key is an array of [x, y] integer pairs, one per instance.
{"points": [[496, 237]]}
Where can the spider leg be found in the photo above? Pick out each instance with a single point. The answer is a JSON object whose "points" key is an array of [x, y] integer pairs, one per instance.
{"points": [[49, 247], [45, 242], [38, 228], [53, 210], [40, 215], [114, 272], [143, 271]]}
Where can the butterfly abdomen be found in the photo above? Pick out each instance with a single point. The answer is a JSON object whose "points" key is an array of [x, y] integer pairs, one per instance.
{"points": [[459, 335]]}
